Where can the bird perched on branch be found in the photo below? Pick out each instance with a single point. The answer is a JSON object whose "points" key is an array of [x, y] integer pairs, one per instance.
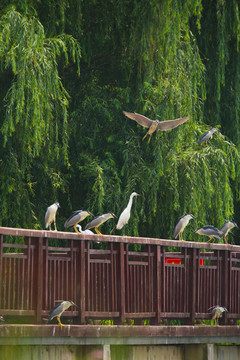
{"points": [[50, 215], [226, 228], [75, 218], [99, 220], [155, 125], [181, 224], [208, 135], [210, 231], [58, 309], [217, 313], [125, 215]]}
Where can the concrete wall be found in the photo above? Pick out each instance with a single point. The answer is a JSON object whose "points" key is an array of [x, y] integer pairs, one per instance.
{"points": [[120, 352]]}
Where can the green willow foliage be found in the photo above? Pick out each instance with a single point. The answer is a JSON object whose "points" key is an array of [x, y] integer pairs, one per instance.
{"points": [[165, 59], [35, 106]]}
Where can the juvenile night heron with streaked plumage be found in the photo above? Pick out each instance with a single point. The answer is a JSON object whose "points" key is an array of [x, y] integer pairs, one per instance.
{"points": [[155, 125], [181, 224], [226, 228], [58, 309], [208, 135], [217, 313], [99, 220], [50, 215], [77, 217], [211, 231], [125, 215]]}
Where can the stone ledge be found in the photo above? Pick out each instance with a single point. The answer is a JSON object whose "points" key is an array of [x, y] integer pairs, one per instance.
{"points": [[116, 335]]}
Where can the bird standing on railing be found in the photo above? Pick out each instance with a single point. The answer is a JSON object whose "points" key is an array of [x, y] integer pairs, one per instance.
{"points": [[155, 125], [125, 215], [50, 215], [217, 313], [58, 309], [226, 228], [210, 231], [75, 218], [208, 135], [99, 220], [87, 232], [181, 224]]}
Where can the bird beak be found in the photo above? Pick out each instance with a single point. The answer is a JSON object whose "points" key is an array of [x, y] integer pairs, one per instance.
{"points": [[90, 213], [74, 305], [114, 216], [236, 226]]}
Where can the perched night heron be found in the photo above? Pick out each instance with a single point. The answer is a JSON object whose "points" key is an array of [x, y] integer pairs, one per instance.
{"points": [[99, 220], [217, 313], [58, 309], [50, 215], [210, 231], [208, 135], [181, 224], [125, 215], [226, 228], [155, 125], [87, 232], [75, 218]]}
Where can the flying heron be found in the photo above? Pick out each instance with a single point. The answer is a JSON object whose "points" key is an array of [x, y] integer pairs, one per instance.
{"points": [[99, 220], [210, 231], [58, 309], [50, 215], [75, 218], [125, 215], [155, 125], [208, 135], [226, 228], [181, 224], [217, 313]]}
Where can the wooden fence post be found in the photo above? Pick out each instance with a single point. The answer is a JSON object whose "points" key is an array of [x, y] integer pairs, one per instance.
{"points": [[39, 292], [121, 289], [157, 284], [82, 282], [192, 284], [1, 266], [226, 280]]}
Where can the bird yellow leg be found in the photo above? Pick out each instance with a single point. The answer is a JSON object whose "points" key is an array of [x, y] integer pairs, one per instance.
{"points": [[210, 238], [98, 232], [59, 322], [144, 136], [149, 138], [55, 225], [75, 227]]}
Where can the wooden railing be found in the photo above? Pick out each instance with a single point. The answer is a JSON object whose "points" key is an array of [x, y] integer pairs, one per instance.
{"points": [[117, 283]]}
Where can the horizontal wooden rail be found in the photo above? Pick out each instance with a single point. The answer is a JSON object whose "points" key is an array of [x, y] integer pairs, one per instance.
{"points": [[116, 282]]}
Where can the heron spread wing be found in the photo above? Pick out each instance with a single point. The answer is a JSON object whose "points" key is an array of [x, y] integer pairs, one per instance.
{"points": [[171, 124], [142, 120]]}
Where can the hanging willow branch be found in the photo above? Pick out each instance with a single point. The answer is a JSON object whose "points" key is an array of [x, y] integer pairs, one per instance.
{"points": [[36, 103]]}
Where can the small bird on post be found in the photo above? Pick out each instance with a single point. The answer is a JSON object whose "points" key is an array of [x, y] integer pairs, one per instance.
{"points": [[217, 313], [155, 125], [181, 224], [58, 309], [226, 228], [125, 215], [208, 135], [99, 220], [50, 215], [210, 231], [75, 218]]}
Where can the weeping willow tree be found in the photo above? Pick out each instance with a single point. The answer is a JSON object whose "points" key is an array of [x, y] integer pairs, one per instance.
{"points": [[34, 110], [154, 58]]}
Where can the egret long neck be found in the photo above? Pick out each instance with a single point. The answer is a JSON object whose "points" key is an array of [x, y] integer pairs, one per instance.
{"points": [[129, 205]]}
